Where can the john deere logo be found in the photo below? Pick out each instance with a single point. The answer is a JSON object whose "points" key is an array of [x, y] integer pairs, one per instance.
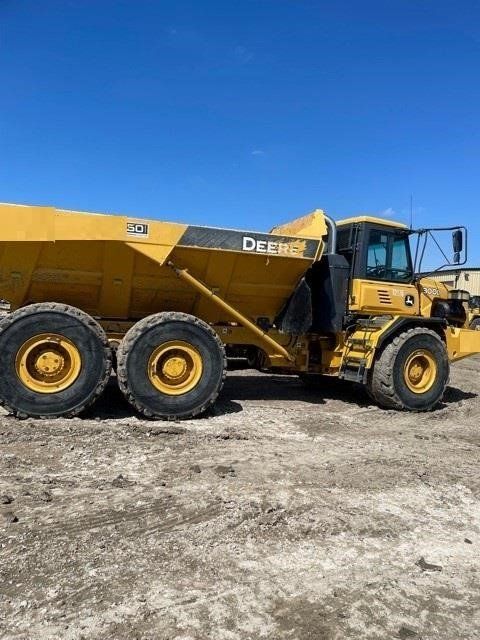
{"points": [[409, 301], [257, 245]]}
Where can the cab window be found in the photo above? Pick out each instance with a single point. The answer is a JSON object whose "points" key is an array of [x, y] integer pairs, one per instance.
{"points": [[388, 256], [377, 254], [401, 268]]}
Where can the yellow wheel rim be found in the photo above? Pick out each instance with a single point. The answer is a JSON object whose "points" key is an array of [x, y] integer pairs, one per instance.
{"points": [[420, 371], [48, 363], [175, 368]]}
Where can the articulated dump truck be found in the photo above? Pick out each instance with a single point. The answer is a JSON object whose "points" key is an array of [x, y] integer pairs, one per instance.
{"points": [[162, 302]]}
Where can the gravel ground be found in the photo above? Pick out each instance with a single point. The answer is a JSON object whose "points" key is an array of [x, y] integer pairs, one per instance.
{"points": [[285, 514]]}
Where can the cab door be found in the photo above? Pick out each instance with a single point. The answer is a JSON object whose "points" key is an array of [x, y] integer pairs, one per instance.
{"points": [[383, 273]]}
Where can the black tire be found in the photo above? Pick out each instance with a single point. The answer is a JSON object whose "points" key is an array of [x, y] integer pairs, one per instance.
{"points": [[114, 346], [255, 358], [475, 324], [252, 357], [387, 383], [80, 329], [137, 348]]}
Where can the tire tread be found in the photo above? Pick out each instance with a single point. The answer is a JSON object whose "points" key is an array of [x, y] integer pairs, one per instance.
{"points": [[149, 323], [85, 318], [381, 384]]}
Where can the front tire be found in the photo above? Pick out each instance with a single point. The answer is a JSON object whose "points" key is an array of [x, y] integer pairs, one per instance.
{"points": [[411, 372], [55, 361], [475, 324], [171, 366]]}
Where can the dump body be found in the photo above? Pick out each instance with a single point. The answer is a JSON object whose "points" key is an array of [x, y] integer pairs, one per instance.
{"points": [[115, 267]]}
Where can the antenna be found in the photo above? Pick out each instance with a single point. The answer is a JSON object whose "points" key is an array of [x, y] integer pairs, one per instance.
{"points": [[411, 211]]}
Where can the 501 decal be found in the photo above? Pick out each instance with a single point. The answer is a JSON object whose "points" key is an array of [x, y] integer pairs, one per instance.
{"points": [[138, 229]]}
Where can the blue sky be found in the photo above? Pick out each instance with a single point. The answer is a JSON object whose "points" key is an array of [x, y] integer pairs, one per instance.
{"points": [[243, 113]]}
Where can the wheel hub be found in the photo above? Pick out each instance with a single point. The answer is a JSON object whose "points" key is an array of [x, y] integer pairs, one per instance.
{"points": [[175, 368], [48, 363], [420, 371]]}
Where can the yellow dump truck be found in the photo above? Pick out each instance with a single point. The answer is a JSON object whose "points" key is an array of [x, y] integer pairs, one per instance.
{"points": [[312, 297]]}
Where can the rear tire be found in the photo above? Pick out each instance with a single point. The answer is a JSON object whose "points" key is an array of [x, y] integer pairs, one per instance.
{"points": [[55, 361], [255, 358], [411, 372], [252, 357], [171, 366]]}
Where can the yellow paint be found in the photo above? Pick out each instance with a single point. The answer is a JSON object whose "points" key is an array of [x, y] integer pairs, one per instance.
{"points": [[26, 224], [420, 371], [430, 290], [116, 280], [90, 262], [233, 313], [234, 334], [377, 297], [462, 343], [310, 226], [48, 363], [175, 368]]}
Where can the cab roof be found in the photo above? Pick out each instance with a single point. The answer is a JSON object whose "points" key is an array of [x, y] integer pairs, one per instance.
{"points": [[372, 219]]}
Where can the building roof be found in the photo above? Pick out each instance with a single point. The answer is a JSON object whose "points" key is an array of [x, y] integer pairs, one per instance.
{"points": [[453, 271]]}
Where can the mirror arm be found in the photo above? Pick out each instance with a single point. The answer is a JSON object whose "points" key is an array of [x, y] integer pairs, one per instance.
{"points": [[425, 232]]}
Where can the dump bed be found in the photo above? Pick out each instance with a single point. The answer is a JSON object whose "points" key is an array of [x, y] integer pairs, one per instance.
{"points": [[117, 267]]}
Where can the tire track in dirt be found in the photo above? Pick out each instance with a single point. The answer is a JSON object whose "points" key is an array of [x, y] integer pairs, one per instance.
{"points": [[132, 519]]}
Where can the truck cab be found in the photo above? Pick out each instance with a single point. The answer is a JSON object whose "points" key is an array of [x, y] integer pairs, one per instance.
{"points": [[381, 269], [382, 278]]}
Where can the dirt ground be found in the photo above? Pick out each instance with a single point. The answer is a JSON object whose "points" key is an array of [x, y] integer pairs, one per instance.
{"points": [[285, 514]]}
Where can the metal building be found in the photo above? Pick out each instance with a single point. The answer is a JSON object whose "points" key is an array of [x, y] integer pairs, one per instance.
{"points": [[467, 279]]}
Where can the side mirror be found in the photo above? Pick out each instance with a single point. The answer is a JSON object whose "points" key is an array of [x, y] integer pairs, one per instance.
{"points": [[457, 241], [457, 245]]}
